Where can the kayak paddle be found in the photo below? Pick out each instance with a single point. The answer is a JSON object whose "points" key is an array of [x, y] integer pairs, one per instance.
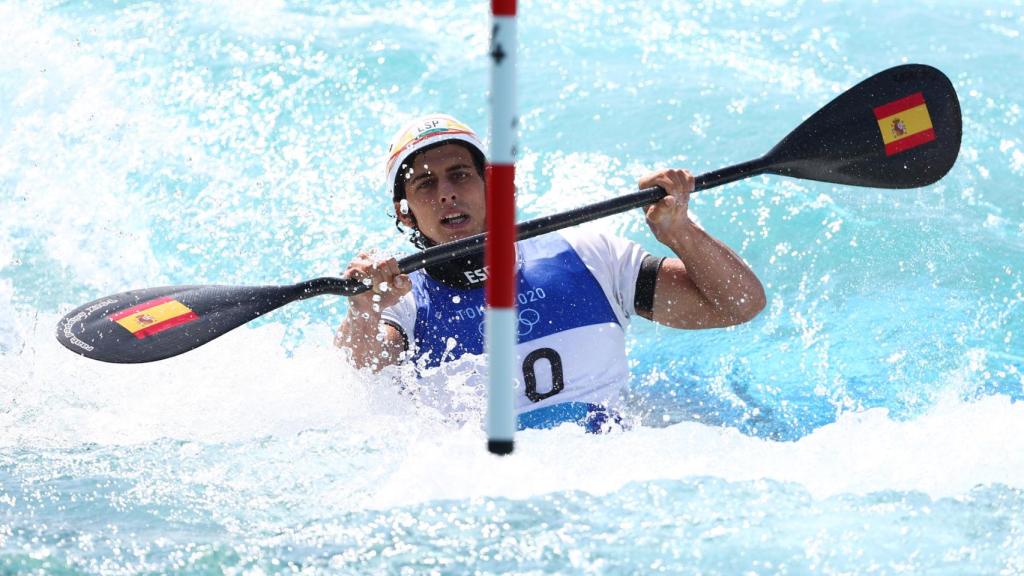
{"points": [[900, 128]]}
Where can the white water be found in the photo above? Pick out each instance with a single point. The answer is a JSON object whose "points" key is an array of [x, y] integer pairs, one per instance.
{"points": [[244, 387]]}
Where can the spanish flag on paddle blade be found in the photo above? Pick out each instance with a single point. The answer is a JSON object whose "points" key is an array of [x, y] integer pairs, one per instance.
{"points": [[904, 123], [154, 316]]}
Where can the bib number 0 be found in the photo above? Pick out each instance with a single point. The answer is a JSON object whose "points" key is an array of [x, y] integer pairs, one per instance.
{"points": [[530, 374]]}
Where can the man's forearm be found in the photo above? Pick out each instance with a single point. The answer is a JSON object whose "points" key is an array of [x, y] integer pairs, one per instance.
{"points": [[363, 335], [725, 281]]}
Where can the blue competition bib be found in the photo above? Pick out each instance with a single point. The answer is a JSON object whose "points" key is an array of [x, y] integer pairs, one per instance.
{"points": [[556, 292], [570, 343]]}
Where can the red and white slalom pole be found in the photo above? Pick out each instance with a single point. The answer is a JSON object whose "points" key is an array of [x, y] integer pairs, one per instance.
{"points": [[499, 250]]}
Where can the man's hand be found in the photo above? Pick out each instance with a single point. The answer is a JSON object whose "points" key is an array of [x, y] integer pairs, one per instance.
{"points": [[387, 284], [373, 344], [669, 218]]}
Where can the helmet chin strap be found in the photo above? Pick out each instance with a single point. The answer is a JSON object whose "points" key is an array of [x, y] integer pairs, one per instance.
{"points": [[424, 240]]}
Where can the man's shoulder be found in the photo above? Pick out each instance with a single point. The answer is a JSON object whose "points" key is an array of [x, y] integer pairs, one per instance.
{"points": [[586, 233], [403, 311], [592, 242], [582, 237], [587, 244]]}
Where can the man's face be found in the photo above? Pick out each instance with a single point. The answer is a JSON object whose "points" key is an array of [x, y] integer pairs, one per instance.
{"points": [[445, 194]]}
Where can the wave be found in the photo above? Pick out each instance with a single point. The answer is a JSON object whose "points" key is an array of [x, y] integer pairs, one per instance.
{"points": [[247, 389]]}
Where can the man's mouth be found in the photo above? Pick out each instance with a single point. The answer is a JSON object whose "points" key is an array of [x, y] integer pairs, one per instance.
{"points": [[454, 220]]}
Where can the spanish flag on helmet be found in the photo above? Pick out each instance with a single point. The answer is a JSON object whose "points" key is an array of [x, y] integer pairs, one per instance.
{"points": [[421, 133]]}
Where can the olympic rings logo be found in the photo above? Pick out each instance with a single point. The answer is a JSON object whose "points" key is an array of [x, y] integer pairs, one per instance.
{"points": [[528, 318]]}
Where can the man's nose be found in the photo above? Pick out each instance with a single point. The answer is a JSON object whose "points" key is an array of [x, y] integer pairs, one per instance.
{"points": [[447, 191]]}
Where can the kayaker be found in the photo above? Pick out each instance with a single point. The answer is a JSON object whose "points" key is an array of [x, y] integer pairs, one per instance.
{"points": [[578, 289]]}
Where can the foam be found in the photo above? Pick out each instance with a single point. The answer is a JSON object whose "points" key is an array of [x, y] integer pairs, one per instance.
{"points": [[948, 451], [244, 387]]}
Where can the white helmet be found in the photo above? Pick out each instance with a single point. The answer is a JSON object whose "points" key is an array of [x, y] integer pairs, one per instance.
{"points": [[421, 133]]}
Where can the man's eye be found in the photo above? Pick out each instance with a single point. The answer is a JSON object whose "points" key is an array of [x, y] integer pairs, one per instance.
{"points": [[460, 175], [424, 184]]}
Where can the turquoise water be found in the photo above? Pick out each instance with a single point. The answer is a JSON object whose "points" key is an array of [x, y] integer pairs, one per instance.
{"points": [[869, 421]]}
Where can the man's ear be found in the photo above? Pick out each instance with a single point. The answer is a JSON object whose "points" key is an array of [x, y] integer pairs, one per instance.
{"points": [[405, 219]]}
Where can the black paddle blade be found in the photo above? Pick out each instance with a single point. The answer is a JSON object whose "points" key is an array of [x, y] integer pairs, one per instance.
{"points": [[900, 128], [157, 323]]}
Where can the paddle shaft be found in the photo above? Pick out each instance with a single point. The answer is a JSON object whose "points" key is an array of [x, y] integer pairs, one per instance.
{"points": [[474, 245]]}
